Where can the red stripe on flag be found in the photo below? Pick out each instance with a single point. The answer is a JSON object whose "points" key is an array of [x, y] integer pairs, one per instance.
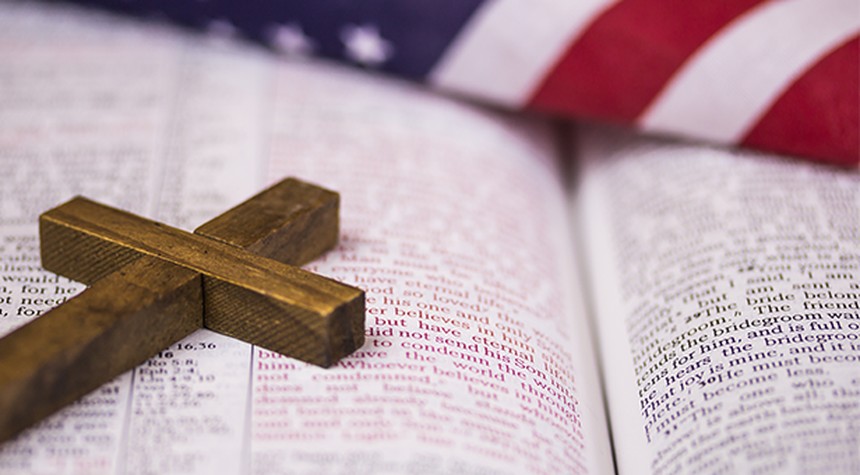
{"points": [[627, 55], [819, 114]]}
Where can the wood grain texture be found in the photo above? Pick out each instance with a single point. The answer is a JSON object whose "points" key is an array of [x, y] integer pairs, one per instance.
{"points": [[293, 222], [144, 298], [115, 325]]}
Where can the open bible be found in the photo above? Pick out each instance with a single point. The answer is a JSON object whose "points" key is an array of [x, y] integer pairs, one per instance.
{"points": [[541, 297]]}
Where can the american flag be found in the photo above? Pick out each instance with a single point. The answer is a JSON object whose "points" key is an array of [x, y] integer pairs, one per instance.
{"points": [[778, 75]]}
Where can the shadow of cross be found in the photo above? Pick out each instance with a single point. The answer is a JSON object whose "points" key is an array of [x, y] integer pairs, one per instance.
{"points": [[152, 285]]}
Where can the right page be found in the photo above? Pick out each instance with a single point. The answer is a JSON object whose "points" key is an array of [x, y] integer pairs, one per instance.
{"points": [[725, 289]]}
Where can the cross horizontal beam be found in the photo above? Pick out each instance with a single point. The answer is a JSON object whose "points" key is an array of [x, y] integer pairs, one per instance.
{"points": [[274, 305]]}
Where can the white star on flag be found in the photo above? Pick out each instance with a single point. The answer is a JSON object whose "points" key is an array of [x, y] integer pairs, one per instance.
{"points": [[365, 46], [291, 40]]}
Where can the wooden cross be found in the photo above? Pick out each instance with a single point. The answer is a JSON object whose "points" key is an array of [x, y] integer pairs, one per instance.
{"points": [[152, 285]]}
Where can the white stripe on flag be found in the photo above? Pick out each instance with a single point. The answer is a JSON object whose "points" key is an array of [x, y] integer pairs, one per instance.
{"points": [[508, 46], [733, 79]]}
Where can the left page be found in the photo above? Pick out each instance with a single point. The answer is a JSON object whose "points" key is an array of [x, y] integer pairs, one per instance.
{"points": [[453, 220]]}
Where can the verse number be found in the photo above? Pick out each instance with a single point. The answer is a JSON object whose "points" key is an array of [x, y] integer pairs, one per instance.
{"points": [[203, 345]]}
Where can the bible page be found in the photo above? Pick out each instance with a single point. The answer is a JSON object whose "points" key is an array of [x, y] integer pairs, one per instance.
{"points": [[477, 357], [726, 294]]}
